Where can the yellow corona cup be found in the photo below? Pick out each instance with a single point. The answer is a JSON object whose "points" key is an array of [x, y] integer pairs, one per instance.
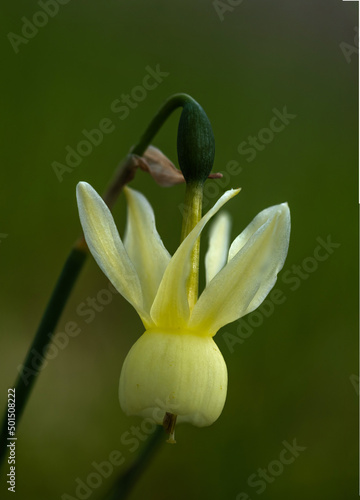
{"points": [[175, 367]]}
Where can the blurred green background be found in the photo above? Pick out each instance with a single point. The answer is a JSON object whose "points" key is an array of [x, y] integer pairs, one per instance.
{"points": [[293, 377]]}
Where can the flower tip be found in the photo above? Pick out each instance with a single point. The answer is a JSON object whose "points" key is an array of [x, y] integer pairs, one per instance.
{"points": [[284, 209], [85, 195], [234, 191], [82, 187]]}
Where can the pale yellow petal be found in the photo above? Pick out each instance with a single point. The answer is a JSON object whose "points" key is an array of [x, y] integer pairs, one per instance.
{"points": [[216, 256], [171, 308], [248, 277], [144, 246], [107, 248], [260, 219], [174, 372]]}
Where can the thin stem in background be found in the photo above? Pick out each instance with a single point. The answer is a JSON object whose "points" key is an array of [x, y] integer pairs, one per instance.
{"points": [[63, 288], [126, 482], [30, 369]]}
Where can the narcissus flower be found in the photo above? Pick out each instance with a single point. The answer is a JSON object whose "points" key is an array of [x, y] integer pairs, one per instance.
{"points": [[175, 367]]}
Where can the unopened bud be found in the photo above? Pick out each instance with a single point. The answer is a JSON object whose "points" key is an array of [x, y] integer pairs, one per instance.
{"points": [[195, 143]]}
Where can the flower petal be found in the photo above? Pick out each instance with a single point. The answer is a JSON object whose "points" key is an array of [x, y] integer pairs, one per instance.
{"points": [[254, 225], [107, 248], [250, 274], [174, 372], [171, 308], [144, 246], [216, 256]]}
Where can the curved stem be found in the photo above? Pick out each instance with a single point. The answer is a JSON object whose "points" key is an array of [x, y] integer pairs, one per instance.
{"points": [[127, 481], [174, 102]]}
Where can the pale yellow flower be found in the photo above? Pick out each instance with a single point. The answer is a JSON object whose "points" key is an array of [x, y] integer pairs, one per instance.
{"points": [[175, 366]]}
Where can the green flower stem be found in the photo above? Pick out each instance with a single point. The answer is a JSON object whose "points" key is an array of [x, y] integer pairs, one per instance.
{"points": [[31, 367], [192, 215], [170, 105], [125, 483]]}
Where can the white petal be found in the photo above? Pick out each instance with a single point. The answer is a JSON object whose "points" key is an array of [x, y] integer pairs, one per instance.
{"points": [[249, 276], [171, 308], [107, 248], [254, 225], [176, 373], [216, 256], [144, 246]]}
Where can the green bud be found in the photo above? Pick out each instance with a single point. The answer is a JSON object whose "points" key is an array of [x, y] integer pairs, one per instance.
{"points": [[195, 143]]}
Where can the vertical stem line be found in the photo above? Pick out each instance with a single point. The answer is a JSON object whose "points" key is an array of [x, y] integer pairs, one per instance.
{"points": [[31, 367], [192, 215], [126, 482]]}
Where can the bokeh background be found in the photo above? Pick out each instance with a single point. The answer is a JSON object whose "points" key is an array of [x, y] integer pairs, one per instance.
{"points": [[294, 376]]}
